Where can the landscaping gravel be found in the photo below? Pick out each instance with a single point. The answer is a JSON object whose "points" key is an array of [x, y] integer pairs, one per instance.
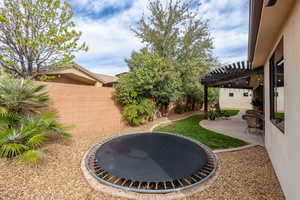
{"points": [[246, 174]]}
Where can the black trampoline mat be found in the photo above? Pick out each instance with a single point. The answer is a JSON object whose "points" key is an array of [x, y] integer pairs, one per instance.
{"points": [[151, 157]]}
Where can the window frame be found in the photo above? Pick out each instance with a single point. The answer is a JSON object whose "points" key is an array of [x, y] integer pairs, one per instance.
{"points": [[273, 85], [245, 94]]}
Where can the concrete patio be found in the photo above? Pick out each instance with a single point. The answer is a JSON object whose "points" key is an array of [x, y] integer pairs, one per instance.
{"points": [[235, 127]]}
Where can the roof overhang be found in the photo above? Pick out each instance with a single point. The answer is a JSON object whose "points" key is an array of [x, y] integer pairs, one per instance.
{"points": [[75, 77], [267, 17]]}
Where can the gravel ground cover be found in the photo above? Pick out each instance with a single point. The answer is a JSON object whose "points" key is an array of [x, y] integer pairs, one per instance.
{"points": [[246, 174]]}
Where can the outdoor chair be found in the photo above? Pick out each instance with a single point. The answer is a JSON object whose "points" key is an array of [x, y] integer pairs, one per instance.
{"points": [[253, 123], [260, 117]]}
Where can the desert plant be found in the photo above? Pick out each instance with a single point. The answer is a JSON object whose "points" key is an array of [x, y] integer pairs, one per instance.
{"points": [[25, 123], [32, 157], [28, 133], [21, 96], [138, 113]]}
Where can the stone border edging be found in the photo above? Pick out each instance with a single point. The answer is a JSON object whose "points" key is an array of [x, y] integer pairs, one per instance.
{"points": [[235, 149], [215, 151]]}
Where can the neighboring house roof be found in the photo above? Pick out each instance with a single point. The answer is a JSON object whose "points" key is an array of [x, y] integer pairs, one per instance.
{"points": [[97, 77], [106, 78]]}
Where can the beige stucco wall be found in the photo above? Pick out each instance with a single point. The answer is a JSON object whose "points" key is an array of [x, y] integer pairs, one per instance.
{"points": [[238, 101], [284, 149]]}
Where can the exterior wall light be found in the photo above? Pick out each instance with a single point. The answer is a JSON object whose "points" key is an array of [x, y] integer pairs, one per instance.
{"points": [[271, 3]]}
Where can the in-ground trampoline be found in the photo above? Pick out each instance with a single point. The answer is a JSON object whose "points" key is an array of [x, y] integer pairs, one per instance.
{"points": [[150, 162]]}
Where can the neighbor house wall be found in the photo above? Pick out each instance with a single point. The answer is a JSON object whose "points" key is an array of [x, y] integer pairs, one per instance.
{"points": [[284, 148], [63, 79], [238, 101], [89, 109]]}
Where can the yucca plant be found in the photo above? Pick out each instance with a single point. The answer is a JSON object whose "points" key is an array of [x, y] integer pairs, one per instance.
{"points": [[25, 121]]}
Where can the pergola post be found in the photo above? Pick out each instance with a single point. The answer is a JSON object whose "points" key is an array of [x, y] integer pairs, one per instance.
{"points": [[205, 101]]}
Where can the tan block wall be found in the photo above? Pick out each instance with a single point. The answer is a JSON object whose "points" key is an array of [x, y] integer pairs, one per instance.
{"points": [[90, 109]]}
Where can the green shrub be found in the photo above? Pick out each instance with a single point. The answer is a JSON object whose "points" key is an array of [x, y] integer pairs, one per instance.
{"points": [[212, 114], [151, 79], [25, 120], [137, 114], [179, 109]]}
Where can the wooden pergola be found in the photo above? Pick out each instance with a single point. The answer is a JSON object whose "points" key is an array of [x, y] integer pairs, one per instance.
{"points": [[236, 75]]}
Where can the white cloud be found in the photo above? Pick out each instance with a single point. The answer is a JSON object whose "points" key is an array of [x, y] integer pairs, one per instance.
{"points": [[111, 41], [228, 20]]}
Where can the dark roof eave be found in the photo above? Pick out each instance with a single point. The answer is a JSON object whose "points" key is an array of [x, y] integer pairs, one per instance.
{"points": [[255, 8]]}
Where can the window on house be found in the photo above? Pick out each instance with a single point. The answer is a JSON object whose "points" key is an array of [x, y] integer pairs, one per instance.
{"points": [[246, 94], [231, 94], [277, 113]]}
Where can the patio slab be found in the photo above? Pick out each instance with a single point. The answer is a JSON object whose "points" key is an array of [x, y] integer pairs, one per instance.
{"points": [[235, 127]]}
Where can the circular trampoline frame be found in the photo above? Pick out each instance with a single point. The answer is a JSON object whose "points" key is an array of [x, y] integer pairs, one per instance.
{"points": [[90, 164]]}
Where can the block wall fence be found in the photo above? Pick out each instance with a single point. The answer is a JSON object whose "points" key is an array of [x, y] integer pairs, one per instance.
{"points": [[89, 109]]}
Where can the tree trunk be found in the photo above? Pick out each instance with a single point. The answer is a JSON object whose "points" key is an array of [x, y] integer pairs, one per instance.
{"points": [[193, 104]]}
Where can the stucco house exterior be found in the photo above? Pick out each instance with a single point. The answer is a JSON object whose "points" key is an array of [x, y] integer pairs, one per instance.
{"points": [[73, 73], [274, 43], [235, 98], [272, 73]]}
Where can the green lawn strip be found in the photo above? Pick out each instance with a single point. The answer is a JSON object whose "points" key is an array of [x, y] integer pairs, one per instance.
{"points": [[190, 127], [279, 115], [231, 112]]}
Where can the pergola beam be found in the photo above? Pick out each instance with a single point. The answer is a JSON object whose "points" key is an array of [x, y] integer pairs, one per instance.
{"points": [[230, 74]]}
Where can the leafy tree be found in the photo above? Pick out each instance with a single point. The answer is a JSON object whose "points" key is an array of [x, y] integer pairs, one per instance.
{"points": [[213, 95], [161, 30], [35, 34], [136, 58], [151, 80], [176, 33]]}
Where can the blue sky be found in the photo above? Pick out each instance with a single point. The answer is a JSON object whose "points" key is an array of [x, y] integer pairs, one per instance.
{"points": [[105, 25]]}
